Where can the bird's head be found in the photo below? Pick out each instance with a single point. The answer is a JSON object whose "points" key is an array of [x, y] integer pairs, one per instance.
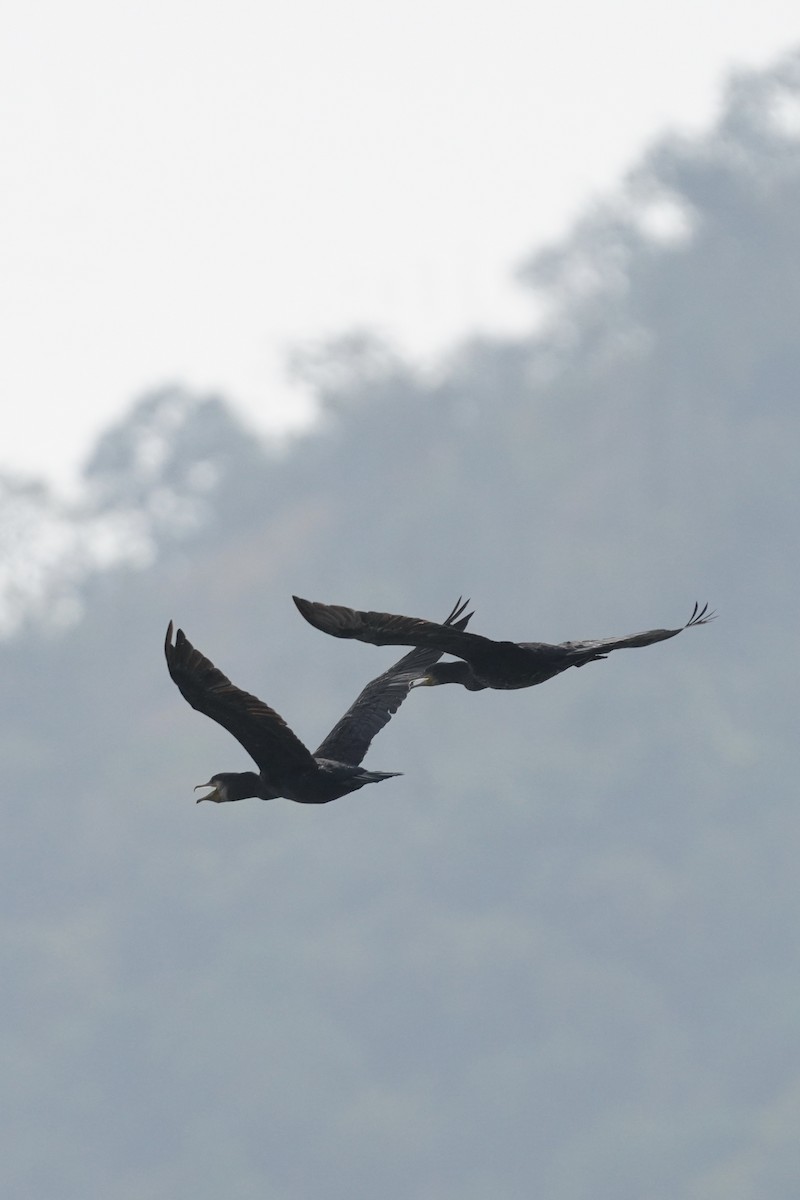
{"points": [[445, 672], [230, 785], [426, 680]]}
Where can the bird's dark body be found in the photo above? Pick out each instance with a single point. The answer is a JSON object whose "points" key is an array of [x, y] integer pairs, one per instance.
{"points": [[511, 665], [485, 663], [326, 781], [286, 767]]}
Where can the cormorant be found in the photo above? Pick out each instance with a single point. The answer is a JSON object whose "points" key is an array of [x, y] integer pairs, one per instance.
{"points": [[485, 663], [286, 767]]}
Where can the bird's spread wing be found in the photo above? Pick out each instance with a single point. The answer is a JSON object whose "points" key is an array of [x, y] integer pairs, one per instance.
{"points": [[700, 616], [384, 629], [350, 737], [264, 734]]}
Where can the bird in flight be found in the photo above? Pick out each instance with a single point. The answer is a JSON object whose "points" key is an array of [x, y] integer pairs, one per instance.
{"points": [[484, 663], [285, 766]]}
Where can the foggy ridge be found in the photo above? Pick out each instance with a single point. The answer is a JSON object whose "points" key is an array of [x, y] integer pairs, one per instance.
{"points": [[557, 957]]}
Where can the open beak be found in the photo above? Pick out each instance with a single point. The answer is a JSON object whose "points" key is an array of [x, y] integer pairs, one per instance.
{"points": [[212, 795]]}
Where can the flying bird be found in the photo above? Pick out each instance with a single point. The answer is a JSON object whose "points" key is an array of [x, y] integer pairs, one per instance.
{"points": [[285, 766], [484, 663]]}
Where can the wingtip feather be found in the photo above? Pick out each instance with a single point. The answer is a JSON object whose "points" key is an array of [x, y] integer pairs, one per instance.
{"points": [[700, 616]]}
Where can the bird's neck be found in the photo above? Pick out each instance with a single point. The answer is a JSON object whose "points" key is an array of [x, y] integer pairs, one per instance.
{"points": [[240, 785]]}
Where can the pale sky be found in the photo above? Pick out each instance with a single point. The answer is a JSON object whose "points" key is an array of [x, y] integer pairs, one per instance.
{"points": [[187, 190]]}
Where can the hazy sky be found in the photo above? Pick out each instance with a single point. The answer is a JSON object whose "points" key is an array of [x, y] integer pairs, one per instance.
{"points": [[188, 189]]}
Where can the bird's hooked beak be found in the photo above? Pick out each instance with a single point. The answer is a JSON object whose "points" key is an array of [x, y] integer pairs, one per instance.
{"points": [[212, 795], [423, 681]]}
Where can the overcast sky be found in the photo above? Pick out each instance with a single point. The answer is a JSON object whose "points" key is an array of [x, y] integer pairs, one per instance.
{"points": [[189, 189]]}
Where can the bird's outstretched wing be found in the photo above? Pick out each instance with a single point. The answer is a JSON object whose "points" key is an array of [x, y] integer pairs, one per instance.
{"points": [[700, 616], [350, 737], [385, 629], [264, 734]]}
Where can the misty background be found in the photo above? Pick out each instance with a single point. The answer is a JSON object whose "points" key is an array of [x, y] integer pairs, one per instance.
{"points": [[558, 957]]}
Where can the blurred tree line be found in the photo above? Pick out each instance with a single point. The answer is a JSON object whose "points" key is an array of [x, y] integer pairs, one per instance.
{"points": [[558, 957]]}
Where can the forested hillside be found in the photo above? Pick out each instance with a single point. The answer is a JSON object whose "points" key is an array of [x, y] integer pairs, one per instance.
{"points": [[558, 957]]}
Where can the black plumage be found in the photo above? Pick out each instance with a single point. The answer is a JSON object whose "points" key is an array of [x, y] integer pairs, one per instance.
{"points": [[485, 663], [285, 766]]}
